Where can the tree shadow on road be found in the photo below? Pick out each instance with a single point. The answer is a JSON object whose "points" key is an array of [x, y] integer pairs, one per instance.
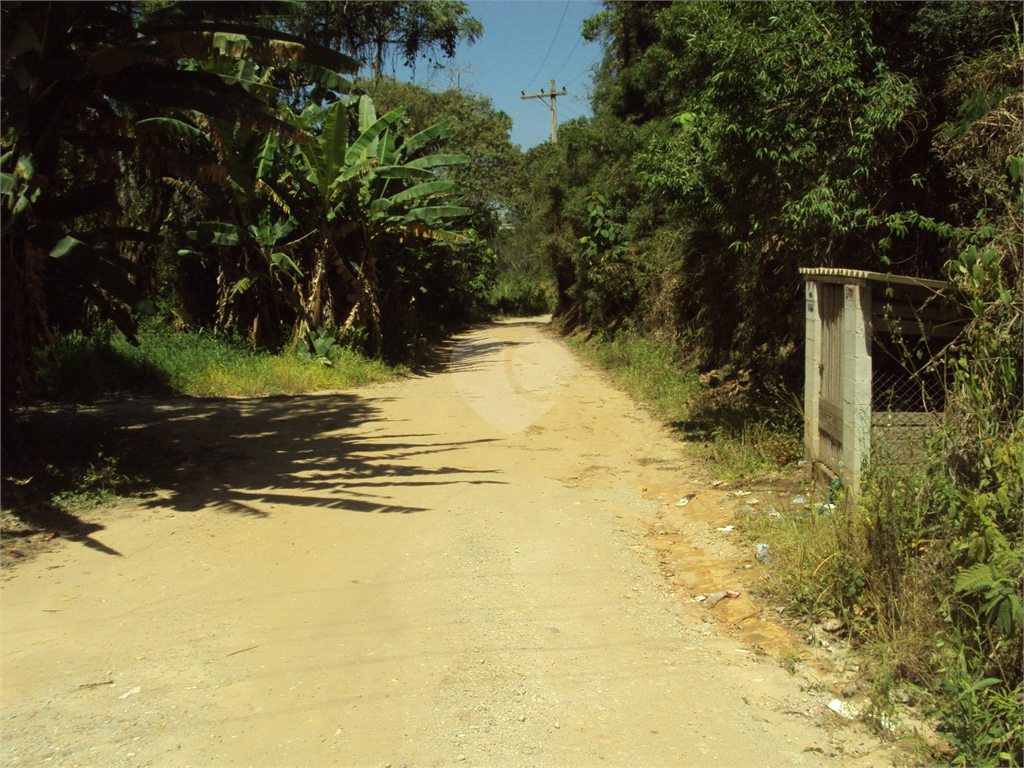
{"points": [[242, 455], [458, 353]]}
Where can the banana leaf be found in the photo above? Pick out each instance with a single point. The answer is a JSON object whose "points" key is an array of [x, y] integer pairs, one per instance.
{"points": [[201, 40], [90, 265], [441, 130], [185, 12], [434, 213], [362, 145], [247, 282], [317, 75], [367, 113], [403, 172], [334, 141], [386, 148], [217, 233], [434, 161], [284, 262], [400, 234], [171, 127], [423, 191]]}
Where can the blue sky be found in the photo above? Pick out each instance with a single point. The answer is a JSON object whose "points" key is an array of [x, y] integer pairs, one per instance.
{"points": [[520, 51]]}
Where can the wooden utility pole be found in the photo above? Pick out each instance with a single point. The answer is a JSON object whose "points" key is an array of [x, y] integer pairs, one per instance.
{"points": [[554, 111]]}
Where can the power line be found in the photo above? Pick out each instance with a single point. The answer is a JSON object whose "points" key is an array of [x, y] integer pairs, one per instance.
{"points": [[595, 4], [585, 71], [575, 113], [552, 44], [569, 56]]}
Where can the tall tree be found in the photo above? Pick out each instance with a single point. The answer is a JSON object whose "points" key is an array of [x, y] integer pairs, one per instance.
{"points": [[765, 136], [376, 31]]}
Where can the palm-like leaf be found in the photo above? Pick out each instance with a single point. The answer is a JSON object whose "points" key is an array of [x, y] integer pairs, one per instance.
{"points": [[203, 40], [435, 213], [168, 126], [434, 133], [423, 191], [365, 144], [267, 156], [437, 161], [403, 172], [334, 141], [367, 113]]}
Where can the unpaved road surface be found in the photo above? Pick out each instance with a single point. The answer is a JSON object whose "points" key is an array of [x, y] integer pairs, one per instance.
{"points": [[462, 568]]}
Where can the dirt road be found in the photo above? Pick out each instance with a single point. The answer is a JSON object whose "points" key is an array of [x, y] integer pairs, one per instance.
{"points": [[455, 569]]}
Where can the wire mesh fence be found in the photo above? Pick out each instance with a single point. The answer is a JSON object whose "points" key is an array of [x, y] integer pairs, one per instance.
{"points": [[906, 408]]}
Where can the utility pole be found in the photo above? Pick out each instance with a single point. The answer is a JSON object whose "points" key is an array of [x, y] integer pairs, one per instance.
{"points": [[554, 111]]}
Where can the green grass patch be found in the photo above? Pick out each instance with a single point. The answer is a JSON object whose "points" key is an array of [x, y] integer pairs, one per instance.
{"points": [[657, 372], [648, 368], [97, 485], [287, 373], [83, 368]]}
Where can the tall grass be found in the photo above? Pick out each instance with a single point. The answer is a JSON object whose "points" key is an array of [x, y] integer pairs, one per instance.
{"points": [[651, 369], [658, 372], [875, 564], [201, 364]]}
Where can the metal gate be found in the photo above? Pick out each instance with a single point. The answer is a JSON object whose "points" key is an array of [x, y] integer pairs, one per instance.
{"points": [[830, 398]]}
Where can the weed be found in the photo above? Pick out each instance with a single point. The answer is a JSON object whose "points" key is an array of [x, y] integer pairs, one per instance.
{"points": [[656, 371], [754, 449], [790, 660], [97, 486], [980, 716], [648, 368]]}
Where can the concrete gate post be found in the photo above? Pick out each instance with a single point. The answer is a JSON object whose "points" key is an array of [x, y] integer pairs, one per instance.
{"points": [[857, 382], [812, 373]]}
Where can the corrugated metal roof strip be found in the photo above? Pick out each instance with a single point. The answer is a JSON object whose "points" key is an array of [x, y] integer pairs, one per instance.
{"points": [[809, 273]]}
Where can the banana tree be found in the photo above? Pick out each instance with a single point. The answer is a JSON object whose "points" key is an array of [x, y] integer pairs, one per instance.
{"points": [[372, 192], [405, 206], [75, 77], [325, 177]]}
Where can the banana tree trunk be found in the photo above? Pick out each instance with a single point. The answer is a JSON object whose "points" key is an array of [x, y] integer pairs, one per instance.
{"points": [[367, 304], [318, 302], [373, 305], [320, 311]]}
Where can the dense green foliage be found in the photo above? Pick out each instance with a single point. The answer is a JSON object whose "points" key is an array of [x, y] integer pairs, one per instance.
{"points": [[89, 94], [734, 142]]}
